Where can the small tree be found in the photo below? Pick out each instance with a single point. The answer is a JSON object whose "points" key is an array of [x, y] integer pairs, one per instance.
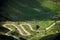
{"points": [[37, 26]]}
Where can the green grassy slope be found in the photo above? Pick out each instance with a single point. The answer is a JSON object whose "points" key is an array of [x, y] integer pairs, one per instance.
{"points": [[34, 12]]}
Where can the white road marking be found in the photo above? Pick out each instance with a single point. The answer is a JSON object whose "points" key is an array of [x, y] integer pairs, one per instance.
{"points": [[17, 29], [50, 26], [29, 26], [7, 27], [27, 33], [21, 25]]}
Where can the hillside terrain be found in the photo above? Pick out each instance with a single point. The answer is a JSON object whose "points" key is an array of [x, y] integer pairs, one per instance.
{"points": [[30, 19]]}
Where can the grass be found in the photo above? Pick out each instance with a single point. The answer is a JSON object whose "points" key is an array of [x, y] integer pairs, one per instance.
{"points": [[49, 4], [42, 24], [32, 12], [28, 29], [48, 35]]}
